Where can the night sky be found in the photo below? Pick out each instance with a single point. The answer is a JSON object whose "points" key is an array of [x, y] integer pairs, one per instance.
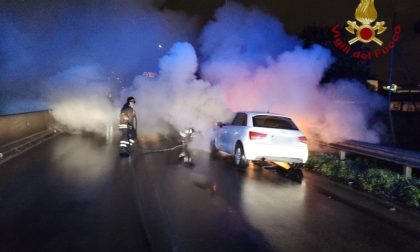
{"points": [[295, 15]]}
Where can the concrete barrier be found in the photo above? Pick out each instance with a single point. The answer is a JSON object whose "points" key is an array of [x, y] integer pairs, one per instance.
{"points": [[17, 126]]}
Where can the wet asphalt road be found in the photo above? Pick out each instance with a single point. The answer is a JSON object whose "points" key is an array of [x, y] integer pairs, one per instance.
{"points": [[74, 193]]}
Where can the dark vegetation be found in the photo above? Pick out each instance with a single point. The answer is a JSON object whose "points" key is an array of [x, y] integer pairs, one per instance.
{"points": [[367, 175]]}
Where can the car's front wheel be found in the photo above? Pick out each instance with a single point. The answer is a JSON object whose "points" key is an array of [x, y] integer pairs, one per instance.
{"points": [[240, 159]]}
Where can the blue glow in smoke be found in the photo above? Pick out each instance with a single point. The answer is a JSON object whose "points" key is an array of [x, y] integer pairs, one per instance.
{"points": [[245, 35], [246, 61], [39, 40]]}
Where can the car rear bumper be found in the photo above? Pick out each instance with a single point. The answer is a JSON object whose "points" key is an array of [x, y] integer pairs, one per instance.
{"points": [[296, 154], [279, 159]]}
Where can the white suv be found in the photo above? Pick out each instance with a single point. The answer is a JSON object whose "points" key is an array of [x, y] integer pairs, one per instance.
{"points": [[256, 136]]}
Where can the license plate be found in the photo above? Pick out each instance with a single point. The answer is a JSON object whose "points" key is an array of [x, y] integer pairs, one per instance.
{"points": [[281, 140]]}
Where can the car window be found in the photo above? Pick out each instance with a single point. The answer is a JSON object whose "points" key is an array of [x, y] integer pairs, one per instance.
{"points": [[240, 119], [275, 122]]}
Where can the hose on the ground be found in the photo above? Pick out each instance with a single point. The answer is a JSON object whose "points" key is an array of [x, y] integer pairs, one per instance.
{"points": [[161, 150]]}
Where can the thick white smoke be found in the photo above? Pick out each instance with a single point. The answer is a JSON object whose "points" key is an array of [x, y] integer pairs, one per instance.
{"points": [[246, 61], [259, 67], [123, 37], [80, 99], [177, 96]]}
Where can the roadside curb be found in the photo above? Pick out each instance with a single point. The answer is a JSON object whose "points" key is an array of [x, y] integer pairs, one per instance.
{"points": [[386, 211]]}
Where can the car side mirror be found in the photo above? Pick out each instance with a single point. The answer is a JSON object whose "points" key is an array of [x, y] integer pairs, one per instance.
{"points": [[219, 124]]}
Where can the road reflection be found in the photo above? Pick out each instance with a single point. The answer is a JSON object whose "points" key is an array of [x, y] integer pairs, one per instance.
{"points": [[82, 163], [272, 203]]}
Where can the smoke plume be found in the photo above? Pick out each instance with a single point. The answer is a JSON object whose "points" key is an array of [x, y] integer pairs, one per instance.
{"points": [[81, 99], [41, 39], [259, 67], [65, 54], [177, 96]]}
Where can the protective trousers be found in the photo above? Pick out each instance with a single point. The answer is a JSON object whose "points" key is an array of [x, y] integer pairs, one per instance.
{"points": [[127, 140]]}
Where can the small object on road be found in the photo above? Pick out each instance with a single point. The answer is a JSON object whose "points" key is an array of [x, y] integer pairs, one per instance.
{"points": [[392, 209]]}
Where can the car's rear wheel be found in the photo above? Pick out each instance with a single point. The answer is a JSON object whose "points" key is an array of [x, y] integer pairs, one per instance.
{"points": [[240, 160]]}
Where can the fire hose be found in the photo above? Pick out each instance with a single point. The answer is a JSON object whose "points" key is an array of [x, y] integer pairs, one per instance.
{"points": [[162, 150], [186, 136]]}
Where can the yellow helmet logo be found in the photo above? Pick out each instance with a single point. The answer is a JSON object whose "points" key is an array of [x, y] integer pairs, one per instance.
{"points": [[366, 14]]}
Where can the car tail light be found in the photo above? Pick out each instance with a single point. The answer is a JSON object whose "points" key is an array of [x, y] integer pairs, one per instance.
{"points": [[256, 135], [303, 139]]}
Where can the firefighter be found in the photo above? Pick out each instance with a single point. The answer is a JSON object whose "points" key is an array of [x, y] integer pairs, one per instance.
{"points": [[128, 127]]}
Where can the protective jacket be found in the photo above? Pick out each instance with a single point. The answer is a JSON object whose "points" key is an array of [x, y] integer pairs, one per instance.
{"points": [[128, 116], [128, 128]]}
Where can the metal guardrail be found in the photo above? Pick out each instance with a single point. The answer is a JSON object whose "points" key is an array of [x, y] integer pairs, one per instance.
{"points": [[21, 132], [18, 147], [409, 159]]}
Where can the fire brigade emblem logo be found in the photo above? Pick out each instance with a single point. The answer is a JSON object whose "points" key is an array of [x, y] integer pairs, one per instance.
{"points": [[366, 14]]}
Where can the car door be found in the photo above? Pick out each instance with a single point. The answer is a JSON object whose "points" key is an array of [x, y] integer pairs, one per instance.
{"points": [[222, 136], [235, 131]]}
